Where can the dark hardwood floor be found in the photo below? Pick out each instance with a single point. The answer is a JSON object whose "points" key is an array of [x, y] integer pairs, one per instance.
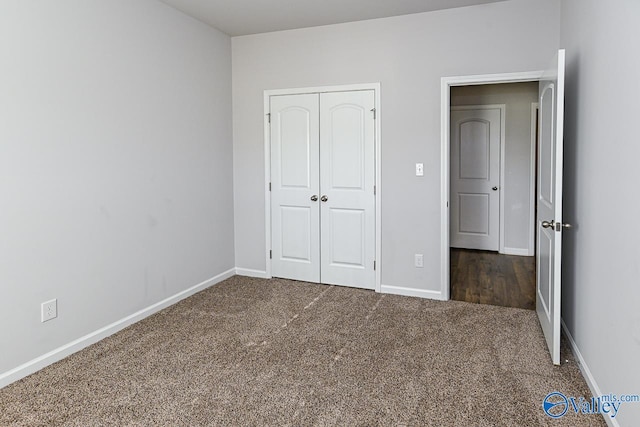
{"points": [[491, 278]]}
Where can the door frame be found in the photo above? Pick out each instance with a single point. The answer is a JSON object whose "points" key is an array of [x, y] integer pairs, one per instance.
{"points": [[503, 133], [267, 164], [445, 115], [534, 175]]}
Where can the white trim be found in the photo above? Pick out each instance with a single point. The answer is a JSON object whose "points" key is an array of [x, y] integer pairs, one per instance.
{"points": [[503, 166], [411, 292], [378, 161], [322, 89], [445, 105], [378, 153], [532, 179], [267, 182], [516, 251], [247, 272], [445, 133], [586, 372], [501, 172], [68, 349], [481, 79]]}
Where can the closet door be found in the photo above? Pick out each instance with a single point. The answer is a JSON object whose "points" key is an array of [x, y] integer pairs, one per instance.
{"points": [[347, 179], [295, 221]]}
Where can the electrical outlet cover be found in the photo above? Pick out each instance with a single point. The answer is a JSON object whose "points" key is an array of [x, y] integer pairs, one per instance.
{"points": [[49, 310]]}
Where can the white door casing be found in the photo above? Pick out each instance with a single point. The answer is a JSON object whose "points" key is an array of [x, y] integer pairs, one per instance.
{"points": [[549, 203], [295, 179], [323, 147], [475, 177], [347, 180]]}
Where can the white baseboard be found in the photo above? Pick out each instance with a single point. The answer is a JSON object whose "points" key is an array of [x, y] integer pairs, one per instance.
{"points": [[516, 251], [586, 373], [411, 292], [247, 272], [60, 353]]}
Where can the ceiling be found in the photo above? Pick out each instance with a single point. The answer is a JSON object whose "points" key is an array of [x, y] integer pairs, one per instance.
{"points": [[242, 17]]}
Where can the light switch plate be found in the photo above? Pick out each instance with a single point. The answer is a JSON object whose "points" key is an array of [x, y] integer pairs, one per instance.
{"points": [[419, 169]]}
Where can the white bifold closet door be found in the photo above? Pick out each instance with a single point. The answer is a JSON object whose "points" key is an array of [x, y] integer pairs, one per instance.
{"points": [[295, 180], [323, 177], [347, 179]]}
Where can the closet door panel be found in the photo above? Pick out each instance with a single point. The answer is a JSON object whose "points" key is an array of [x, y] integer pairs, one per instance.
{"points": [[295, 220], [347, 179]]}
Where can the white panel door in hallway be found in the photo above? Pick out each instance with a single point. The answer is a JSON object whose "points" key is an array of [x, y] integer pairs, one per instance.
{"points": [[475, 178], [322, 198]]}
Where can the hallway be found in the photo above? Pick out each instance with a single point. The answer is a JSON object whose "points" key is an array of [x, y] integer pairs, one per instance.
{"points": [[487, 277]]}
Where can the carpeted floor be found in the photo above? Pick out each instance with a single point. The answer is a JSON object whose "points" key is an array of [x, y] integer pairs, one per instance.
{"points": [[277, 352]]}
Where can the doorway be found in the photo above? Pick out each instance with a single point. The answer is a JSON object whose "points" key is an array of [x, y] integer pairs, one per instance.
{"points": [[492, 193], [549, 224]]}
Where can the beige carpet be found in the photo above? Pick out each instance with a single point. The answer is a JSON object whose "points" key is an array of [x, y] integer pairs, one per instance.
{"points": [[259, 352]]}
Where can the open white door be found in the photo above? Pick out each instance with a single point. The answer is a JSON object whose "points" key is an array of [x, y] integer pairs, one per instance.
{"points": [[549, 202]]}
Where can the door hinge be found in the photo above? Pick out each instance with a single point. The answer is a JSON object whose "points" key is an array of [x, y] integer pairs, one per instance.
{"points": [[270, 254], [269, 186], [269, 117], [374, 265], [374, 190], [374, 113]]}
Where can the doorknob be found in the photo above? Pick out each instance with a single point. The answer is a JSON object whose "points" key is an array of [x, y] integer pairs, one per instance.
{"points": [[495, 188], [555, 225], [314, 198], [324, 198]]}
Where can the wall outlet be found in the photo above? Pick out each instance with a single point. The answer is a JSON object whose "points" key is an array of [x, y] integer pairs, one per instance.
{"points": [[419, 260], [49, 310]]}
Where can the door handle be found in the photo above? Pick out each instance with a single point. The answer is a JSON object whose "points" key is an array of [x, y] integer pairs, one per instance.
{"points": [[556, 225], [314, 198], [495, 188], [324, 198]]}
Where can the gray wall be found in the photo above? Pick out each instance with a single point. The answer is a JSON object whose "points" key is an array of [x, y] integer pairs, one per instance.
{"points": [[601, 268], [115, 164], [408, 55], [517, 98]]}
